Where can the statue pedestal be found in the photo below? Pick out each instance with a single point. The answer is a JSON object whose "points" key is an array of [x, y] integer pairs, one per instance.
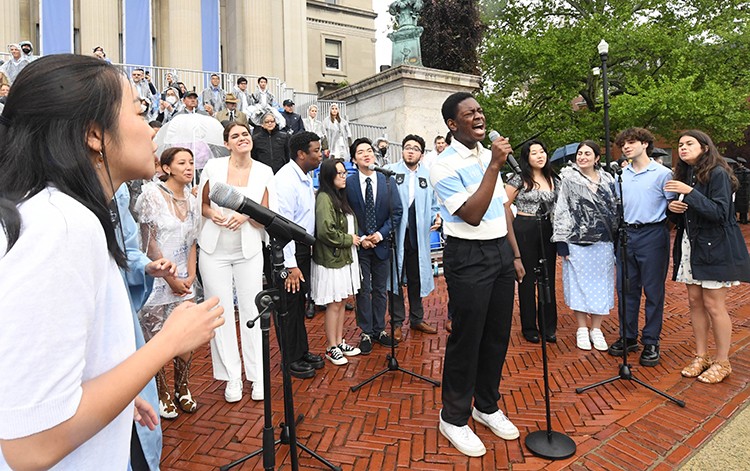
{"points": [[404, 99], [406, 49]]}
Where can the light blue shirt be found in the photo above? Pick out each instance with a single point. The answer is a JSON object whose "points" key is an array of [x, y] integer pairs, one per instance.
{"points": [[296, 201], [456, 175], [645, 200]]}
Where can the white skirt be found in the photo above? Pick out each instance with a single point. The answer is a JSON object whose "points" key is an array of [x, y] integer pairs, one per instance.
{"points": [[336, 284]]}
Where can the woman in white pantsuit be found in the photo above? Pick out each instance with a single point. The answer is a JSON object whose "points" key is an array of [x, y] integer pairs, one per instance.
{"points": [[230, 254]]}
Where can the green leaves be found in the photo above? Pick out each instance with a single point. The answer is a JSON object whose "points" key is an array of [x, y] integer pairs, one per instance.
{"points": [[671, 65]]}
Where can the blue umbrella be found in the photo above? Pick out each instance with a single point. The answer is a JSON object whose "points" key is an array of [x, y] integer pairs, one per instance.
{"points": [[564, 152]]}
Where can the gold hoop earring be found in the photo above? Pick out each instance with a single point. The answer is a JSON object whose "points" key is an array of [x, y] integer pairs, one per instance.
{"points": [[100, 160]]}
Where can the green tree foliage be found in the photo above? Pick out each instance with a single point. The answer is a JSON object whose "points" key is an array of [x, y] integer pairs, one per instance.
{"points": [[673, 64], [452, 34]]}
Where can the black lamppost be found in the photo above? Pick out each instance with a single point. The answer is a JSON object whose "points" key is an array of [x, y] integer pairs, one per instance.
{"points": [[603, 48]]}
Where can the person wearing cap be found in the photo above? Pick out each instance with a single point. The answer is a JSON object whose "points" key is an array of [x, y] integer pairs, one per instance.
{"points": [[294, 122], [214, 95], [15, 64], [231, 113], [190, 100]]}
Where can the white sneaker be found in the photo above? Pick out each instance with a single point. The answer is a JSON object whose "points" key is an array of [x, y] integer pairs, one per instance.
{"points": [[233, 391], [582, 338], [463, 438], [498, 423], [257, 392], [336, 357], [597, 338], [348, 350]]}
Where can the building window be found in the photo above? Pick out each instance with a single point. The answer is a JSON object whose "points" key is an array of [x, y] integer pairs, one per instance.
{"points": [[333, 54]]}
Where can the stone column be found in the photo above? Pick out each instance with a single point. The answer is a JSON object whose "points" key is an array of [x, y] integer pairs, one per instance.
{"points": [[295, 71], [10, 23], [260, 28], [100, 26]]}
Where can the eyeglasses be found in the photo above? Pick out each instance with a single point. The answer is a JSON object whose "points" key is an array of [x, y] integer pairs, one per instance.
{"points": [[269, 121], [342, 174], [412, 148]]}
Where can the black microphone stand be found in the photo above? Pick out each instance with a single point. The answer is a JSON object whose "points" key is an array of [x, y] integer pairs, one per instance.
{"points": [[391, 358], [625, 373], [546, 443], [274, 300]]}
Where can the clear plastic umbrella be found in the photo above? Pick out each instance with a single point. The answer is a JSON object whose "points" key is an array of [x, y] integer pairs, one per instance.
{"points": [[202, 134]]}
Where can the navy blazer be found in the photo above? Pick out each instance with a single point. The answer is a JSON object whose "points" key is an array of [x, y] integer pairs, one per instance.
{"points": [[383, 202]]}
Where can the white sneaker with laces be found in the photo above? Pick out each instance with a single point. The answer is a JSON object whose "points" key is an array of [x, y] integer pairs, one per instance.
{"points": [[233, 391], [597, 338], [336, 357], [498, 423], [257, 392], [463, 438], [348, 350], [582, 338]]}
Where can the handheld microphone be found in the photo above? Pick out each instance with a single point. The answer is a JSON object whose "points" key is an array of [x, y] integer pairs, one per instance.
{"points": [[276, 225], [384, 171], [511, 160]]}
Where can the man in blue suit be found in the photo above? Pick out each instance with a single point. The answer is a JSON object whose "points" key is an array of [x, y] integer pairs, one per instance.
{"points": [[372, 199]]}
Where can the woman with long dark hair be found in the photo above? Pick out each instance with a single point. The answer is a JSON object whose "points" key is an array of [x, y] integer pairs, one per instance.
{"points": [[534, 192], [584, 228], [71, 132], [335, 267], [709, 253]]}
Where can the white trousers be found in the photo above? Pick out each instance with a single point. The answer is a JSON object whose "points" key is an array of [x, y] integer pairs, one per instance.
{"points": [[218, 270]]}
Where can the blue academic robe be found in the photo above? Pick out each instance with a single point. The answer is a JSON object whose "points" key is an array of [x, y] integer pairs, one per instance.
{"points": [[139, 288], [426, 210]]}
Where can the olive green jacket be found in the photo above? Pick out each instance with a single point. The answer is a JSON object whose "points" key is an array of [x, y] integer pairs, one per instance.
{"points": [[333, 243]]}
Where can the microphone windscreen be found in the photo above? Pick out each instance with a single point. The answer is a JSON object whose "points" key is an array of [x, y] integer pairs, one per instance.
{"points": [[225, 196], [494, 135]]}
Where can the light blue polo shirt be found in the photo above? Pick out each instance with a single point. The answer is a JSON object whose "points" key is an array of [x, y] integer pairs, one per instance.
{"points": [[645, 200]]}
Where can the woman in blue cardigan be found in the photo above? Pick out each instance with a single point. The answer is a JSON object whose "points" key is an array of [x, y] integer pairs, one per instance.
{"points": [[710, 254]]}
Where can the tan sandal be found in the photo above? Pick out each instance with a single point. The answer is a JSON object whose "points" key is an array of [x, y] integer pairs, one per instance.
{"points": [[700, 364], [716, 373]]}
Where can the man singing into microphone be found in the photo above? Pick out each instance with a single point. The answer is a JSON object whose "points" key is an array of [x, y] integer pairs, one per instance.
{"points": [[481, 262], [371, 202]]}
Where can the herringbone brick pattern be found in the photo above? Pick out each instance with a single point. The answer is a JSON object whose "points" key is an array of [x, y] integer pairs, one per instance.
{"points": [[391, 424]]}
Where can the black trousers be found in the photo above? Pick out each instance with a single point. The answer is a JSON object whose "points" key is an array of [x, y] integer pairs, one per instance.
{"points": [[413, 288], [295, 334], [481, 281], [527, 237]]}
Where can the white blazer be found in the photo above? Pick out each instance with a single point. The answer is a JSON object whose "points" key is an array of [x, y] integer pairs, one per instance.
{"points": [[258, 182]]}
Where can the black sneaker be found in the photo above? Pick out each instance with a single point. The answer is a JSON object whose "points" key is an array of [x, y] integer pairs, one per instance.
{"points": [[385, 340], [301, 369], [365, 345], [316, 361], [650, 355], [616, 348]]}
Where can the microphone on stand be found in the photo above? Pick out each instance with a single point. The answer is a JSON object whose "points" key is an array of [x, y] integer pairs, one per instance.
{"points": [[615, 168], [384, 171], [511, 160], [276, 225]]}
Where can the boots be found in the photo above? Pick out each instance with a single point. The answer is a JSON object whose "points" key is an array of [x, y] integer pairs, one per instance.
{"points": [[181, 392], [167, 409]]}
